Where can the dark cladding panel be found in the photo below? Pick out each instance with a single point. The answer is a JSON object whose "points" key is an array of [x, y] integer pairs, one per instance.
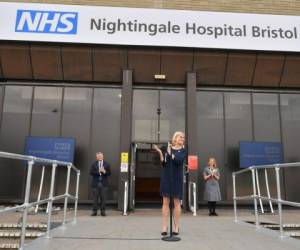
{"points": [[192, 127], [46, 62], [210, 67], [15, 59], [124, 138], [77, 63], [291, 73], [108, 64], [268, 70], [144, 63], [240, 68], [175, 64]]}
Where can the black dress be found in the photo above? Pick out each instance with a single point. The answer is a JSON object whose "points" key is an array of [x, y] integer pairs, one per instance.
{"points": [[177, 166]]}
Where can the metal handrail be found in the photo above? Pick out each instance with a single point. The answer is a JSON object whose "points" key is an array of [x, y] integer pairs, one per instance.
{"points": [[31, 160], [193, 208], [255, 197]]}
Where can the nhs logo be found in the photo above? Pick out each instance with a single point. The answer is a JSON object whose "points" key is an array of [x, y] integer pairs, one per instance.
{"points": [[37, 21]]}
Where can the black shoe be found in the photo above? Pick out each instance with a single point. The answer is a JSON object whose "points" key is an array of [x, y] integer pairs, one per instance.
{"points": [[94, 214], [164, 233], [176, 233], [215, 214], [103, 213], [210, 214]]}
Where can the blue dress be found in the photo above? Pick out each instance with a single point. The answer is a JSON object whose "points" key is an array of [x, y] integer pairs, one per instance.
{"points": [[177, 164]]}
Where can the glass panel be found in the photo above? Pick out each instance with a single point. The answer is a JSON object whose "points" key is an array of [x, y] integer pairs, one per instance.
{"points": [[290, 113], [144, 115], [211, 135], [266, 117], [290, 104], [172, 116], [106, 133], [238, 127], [76, 122], [1, 98], [46, 112], [266, 128], [14, 129], [46, 120]]}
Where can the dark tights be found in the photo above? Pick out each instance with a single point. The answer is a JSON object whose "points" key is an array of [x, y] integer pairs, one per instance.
{"points": [[212, 207]]}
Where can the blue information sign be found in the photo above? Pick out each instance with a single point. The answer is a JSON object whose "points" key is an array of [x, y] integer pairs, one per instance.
{"points": [[53, 148], [260, 153]]}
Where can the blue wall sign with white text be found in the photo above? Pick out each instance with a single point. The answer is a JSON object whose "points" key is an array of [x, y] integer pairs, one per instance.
{"points": [[55, 22], [53, 148], [260, 153]]}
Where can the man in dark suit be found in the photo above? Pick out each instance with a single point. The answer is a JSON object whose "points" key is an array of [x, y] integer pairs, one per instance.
{"points": [[100, 170]]}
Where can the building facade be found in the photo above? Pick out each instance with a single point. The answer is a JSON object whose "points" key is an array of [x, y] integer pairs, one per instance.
{"points": [[108, 98]]}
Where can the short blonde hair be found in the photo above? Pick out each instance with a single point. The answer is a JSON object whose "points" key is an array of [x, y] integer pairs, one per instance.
{"points": [[175, 135], [214, 159]]}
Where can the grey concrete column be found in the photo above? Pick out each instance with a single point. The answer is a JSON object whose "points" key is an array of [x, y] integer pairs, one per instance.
{"points": [[125, 134], [191, 121]]}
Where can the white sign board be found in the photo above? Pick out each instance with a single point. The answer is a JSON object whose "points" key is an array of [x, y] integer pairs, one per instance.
{"points": [[148, 27], [124, 167]]}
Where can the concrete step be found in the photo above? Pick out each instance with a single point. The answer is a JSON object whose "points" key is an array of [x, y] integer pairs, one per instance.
{"points": [[12, 243], [9, 246], [17, 234], [295, 234], [35, 226], [14, 240], [286, 227]]}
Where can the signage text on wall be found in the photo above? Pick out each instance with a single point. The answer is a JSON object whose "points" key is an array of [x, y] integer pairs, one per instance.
{"points": [[148, 27]]}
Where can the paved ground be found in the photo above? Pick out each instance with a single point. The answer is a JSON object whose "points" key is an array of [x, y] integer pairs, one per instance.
{"points": [[141, 230]]}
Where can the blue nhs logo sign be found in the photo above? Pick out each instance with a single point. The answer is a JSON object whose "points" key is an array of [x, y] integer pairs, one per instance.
{"points": [[37, 21]]}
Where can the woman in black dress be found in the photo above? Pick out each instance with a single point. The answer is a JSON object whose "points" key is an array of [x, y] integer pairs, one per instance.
{"points": [[173, 157]]}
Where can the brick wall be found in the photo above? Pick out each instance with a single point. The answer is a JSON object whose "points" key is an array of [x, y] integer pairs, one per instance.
{"points": [[283, 7]]}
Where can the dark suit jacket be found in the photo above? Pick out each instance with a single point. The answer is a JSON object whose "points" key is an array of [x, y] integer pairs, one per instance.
{"points": [[96, 176]]}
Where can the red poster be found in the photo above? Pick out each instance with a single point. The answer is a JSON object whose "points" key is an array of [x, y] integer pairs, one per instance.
{"points": [[193, 162]]}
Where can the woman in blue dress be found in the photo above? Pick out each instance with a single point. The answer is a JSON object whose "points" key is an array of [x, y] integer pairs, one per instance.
{"points": [[173, 157]]}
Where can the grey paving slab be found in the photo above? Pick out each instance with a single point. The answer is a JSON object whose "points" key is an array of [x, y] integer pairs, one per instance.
{"points": [[141, 231]]}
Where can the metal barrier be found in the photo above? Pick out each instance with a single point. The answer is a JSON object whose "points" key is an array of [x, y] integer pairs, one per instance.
{"points": [[27, 204], [257, 196], [192, 198], [125, 208]]}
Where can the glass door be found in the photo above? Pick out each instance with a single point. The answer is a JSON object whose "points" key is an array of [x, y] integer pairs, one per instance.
{"points": [[157, 114]]}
